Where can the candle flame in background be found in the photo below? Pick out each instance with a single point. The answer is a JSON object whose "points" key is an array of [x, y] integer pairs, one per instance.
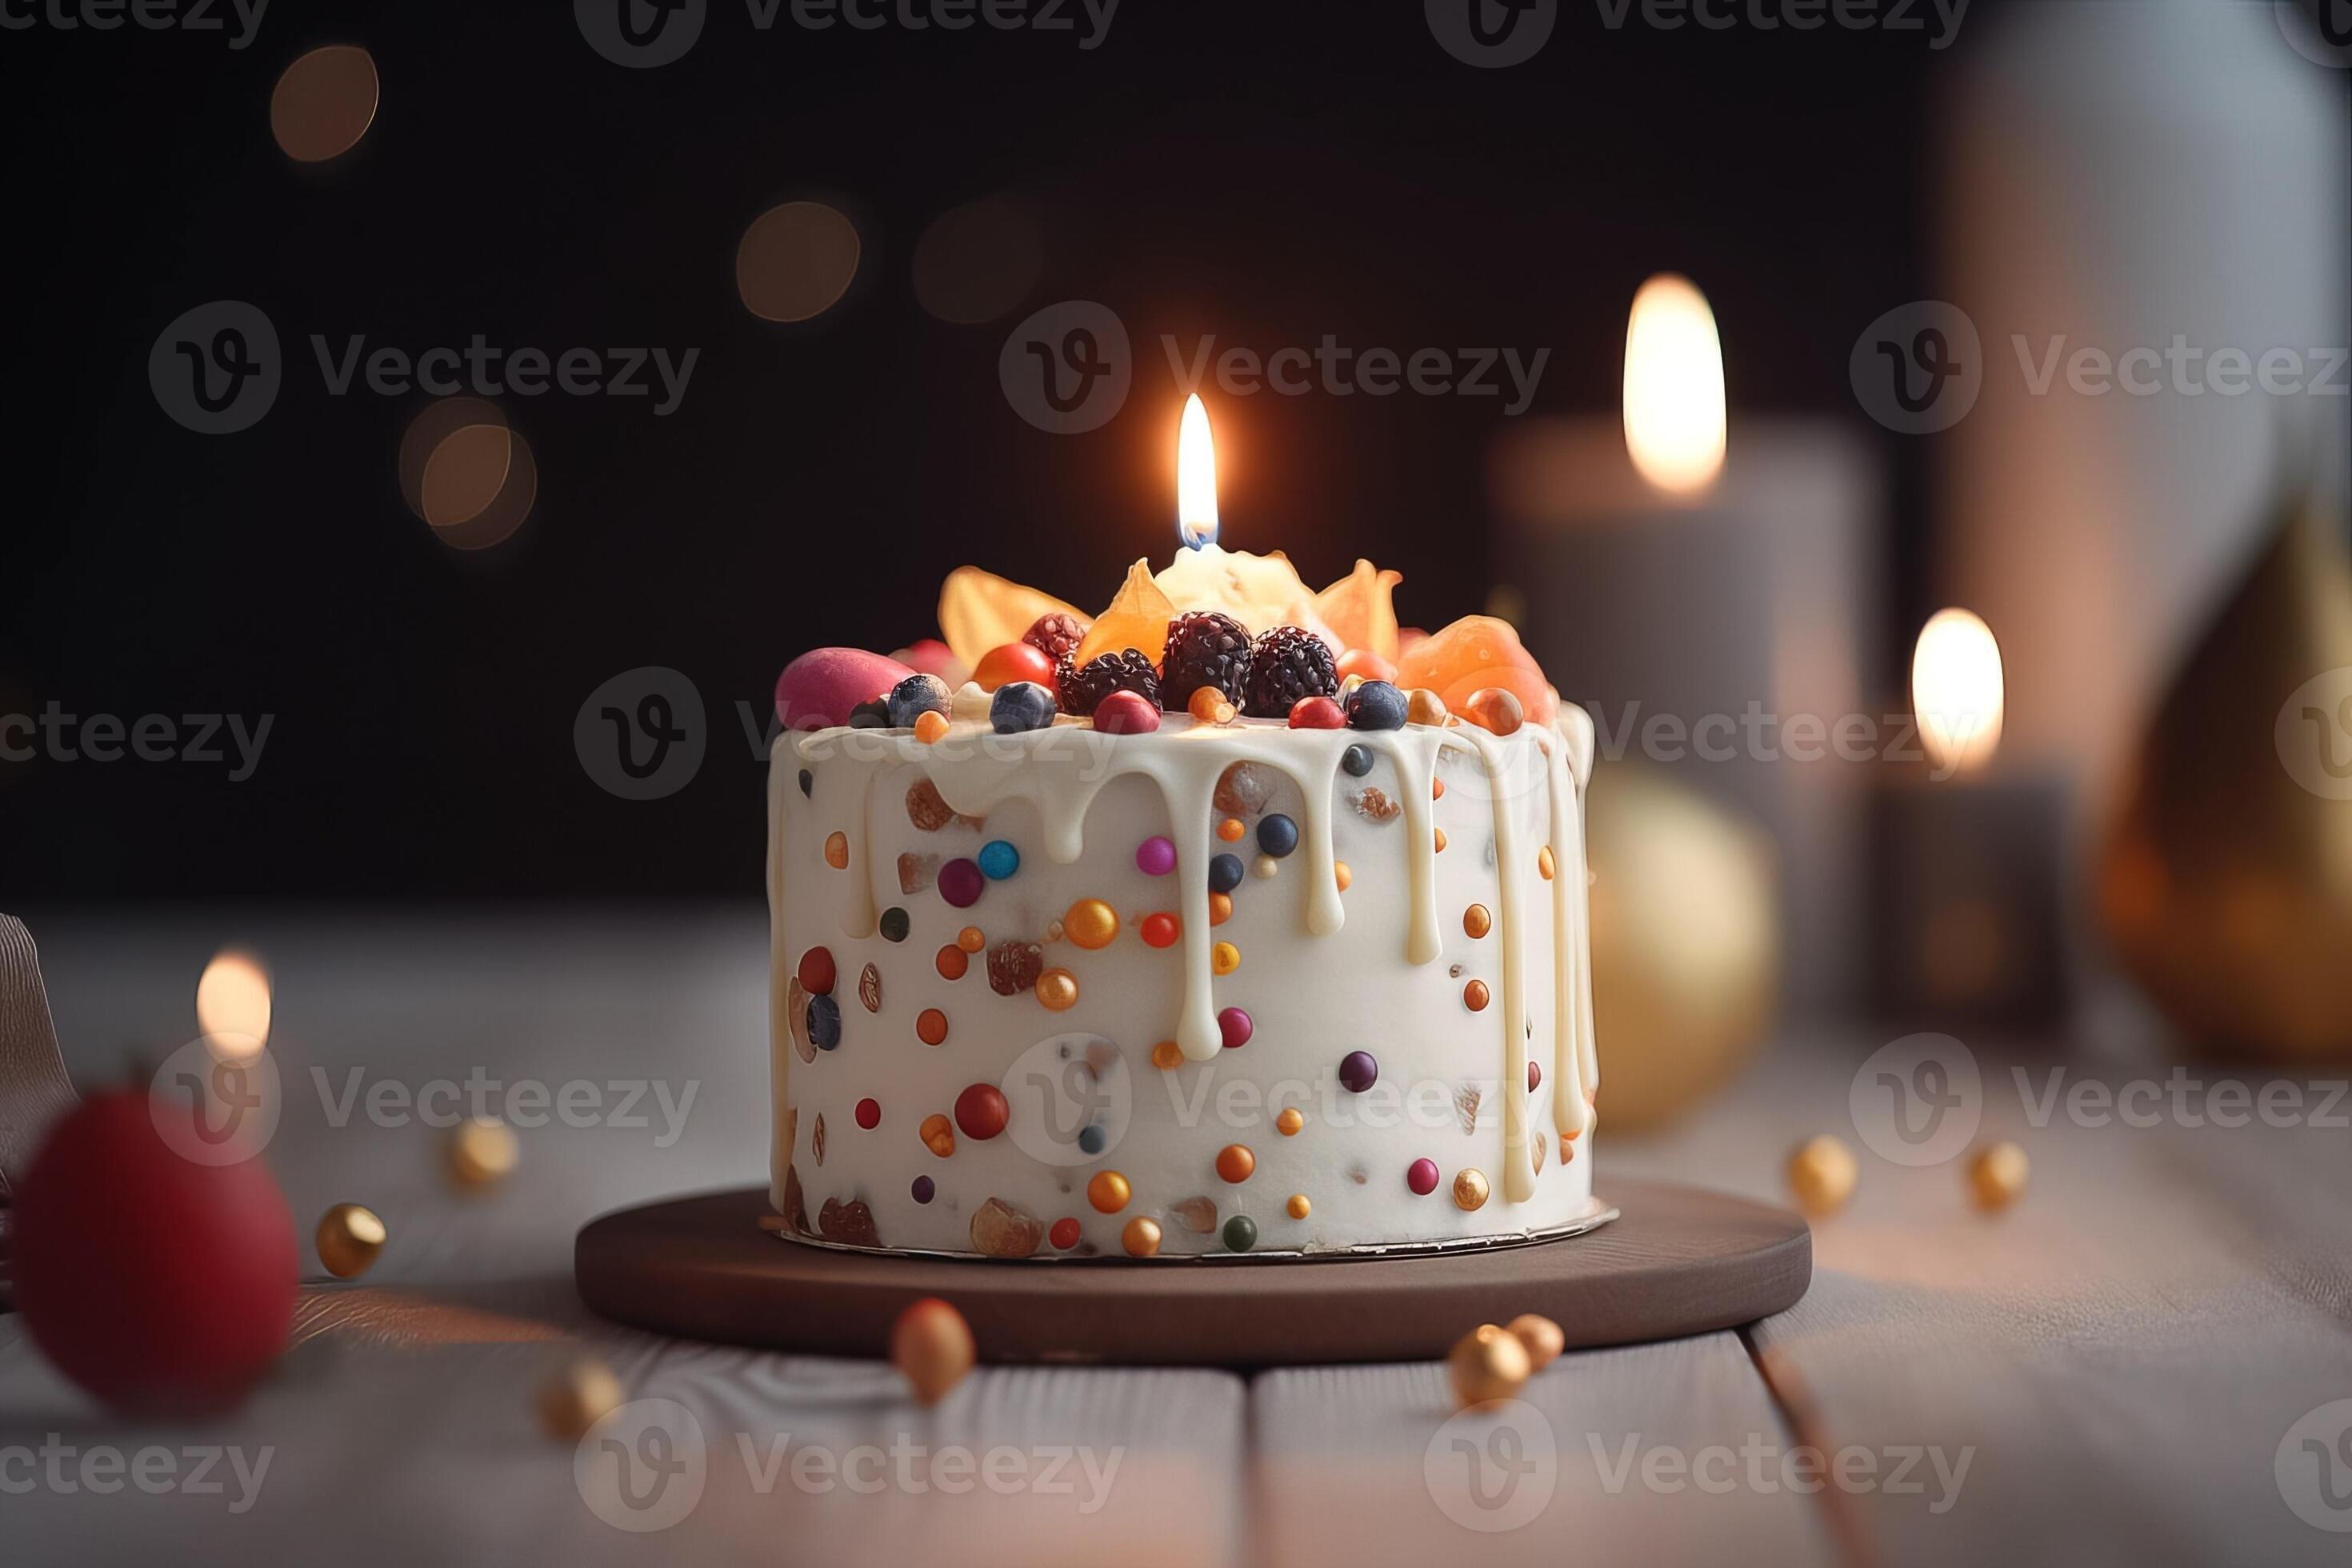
{"points": [[1956, 690], [233, 1004], [1673, 387], [1196, 477]]}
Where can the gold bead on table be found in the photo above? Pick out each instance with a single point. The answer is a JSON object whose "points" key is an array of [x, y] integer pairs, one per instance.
{"points": [[576, 1398], [1544, 1338], [1470, 1190], [1141, 1237], [1822, 1173], [931, 1346], [1997, 1176], [1487, 1364], [350, 1237], [482, 1152]]}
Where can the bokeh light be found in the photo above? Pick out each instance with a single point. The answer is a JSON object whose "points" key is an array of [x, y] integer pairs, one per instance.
{"points": [[1956, 690], [976, 262], [468, 473], [795, 261], [233, 1003], [325, 103]]}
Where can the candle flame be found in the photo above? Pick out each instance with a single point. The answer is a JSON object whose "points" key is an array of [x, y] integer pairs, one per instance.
{"points": [[1956, 690], [1673, 387], [1196, 477], [233, 1004]]}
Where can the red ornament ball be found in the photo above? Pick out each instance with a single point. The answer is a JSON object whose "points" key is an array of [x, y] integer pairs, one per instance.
{"points": [[869, 1114], [1422, 1178], [1161, 930], [1127, 713], [1317, 713], [1065, 1234], [816, 972], [981, 1112], [162, 1286]]}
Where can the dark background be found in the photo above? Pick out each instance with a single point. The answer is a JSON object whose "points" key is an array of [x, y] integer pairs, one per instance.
{"points": [[1266, 172]]}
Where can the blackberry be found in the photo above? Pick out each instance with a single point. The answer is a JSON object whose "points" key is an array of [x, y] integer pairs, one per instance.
{"points": [[1205, 648], [1287, 664], [1082, 691], [1057, 635]]}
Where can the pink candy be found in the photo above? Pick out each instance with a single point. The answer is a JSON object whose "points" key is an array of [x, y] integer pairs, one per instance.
{"points": [[818, 689], [1155, 857], [1235, 1028]]}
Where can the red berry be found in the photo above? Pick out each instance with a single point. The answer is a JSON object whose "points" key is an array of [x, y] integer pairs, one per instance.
{"points": [[1317, 713], [1065, 1234], [1127, 713], [816, 972], [1054, 635], [981, 1112], [1014, 662]]}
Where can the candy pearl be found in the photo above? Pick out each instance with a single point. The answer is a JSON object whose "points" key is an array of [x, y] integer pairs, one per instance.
{"points": [[1235, 1162], [1239, 1232], [981, 1111], [1823, 1175], [1356, 762], [1470, 1191], [1543, 1337], [1221, 908], [1358, 1071], [1476, 922], [1474, 996], [1277, 835], [1488, 1366], [1065, 1234], [1266, 868], [961, 883], [932, 1027], [576, 1398], [1167, 1056], [869, 1114], [1108, 1192], [1160, 930], [1231, 829], [1437, 840], [1093, 1139], [895, 924], [932, 1345], [1155, 857], [1141, 1237], [1235, 1027], [836, 851], [1127, 713], [824, 1023], [1342, 874], [1298, 1208], [939, 1135], [482, 1151], [1012, 662], [923, 1189], [930, 728], [1545, 864], [1289, 1122], [348, 1239], [1224, 873], [997, 859], [1376, 705], [1422, 1178], [1317, 713], [1057, 989], [1422, 706], [1224, 958], [1210, 706], [1496, 708], [1997, 1176], [808, 785], [971, 938], [816, 972], [1535, 1078], [1091, 923], [952, 963]]}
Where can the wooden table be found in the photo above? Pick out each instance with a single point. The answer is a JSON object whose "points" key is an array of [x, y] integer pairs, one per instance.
{"points": [[2117, 1362]]}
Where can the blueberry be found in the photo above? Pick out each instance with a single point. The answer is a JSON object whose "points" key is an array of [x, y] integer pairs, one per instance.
{"points": [[1278, 835], [1092, 1139], [1224, 873], [1376, 705], [914, 696], [1357, 760], [1018, 706], [874, 715], [824, 1023]]}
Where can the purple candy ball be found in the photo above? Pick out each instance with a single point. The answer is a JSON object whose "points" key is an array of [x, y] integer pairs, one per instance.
{"points": [[1358, 1071], [960, 882], [1235, 1026], [1422, 1178], [1155, 857], [924, 1189]]}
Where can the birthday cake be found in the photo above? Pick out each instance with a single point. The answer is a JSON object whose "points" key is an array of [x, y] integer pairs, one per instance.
{"points": [[1233, 920]]}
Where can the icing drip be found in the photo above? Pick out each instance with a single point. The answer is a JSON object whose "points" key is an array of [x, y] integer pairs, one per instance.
{"points": [[1572, 1064], [779, 1050], [857, 915], [1518, 1149]]}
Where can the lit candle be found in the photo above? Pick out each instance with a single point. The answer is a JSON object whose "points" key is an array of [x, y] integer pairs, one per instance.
{"points": [[1259, 591]]}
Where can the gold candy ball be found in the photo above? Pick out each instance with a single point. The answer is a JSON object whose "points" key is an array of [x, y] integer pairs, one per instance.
{"points": [[1107, 1191], [1091, 923], [1823, 1175], [1543, 1337], [1422, 706], [577, 1398], [482, 1152], [1997, 1176], [1058, 990], [1141, 1237], [1298, 1208], [1487, 1364], [932, 1345], [348, 1239], [1470, 1189]]}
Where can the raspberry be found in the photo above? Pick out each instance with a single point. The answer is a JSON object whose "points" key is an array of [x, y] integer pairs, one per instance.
{"points": [[1288, 663], [1056, 636], [1082, 691], [1205, 648]]}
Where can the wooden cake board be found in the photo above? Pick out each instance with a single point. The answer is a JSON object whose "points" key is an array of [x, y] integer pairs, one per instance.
{"points": [[1679, 1260]]}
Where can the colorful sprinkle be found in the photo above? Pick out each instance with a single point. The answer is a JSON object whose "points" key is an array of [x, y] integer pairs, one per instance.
{"points": [[1141, 1237], [924, 1189], [1342, 874], [1474, 996], [1543, 862], [1232, 828], [1093, 1139], [1065, 1234], [1224, 873], [1091, 923], [1167, 1056], [1289, 1122], [998, 860], [869, 1114], [1358, 1070], [1470, 1190], [1108, 1192], [816, 972], [895, 924], [1235, 1162], [937, 1134], [1221, 908], [1239, 1232], [930, 727], [1437, 839], [1058, 990], [932, 1027], [1476, 922], [971, 938], [836, 851], [1298, 1208], [1155, 857], [1224, 958], [954, 961], [1277, 835], [824, 1023], [961, 883], [981, 1111], [1235, 1026], [1356, 761], [1422, 1178]]}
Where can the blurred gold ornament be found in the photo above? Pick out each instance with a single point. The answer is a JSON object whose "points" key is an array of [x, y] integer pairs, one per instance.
{"points": [[348, 1239], [1487, 1364], [932, 1345], [482, 1152], [2225, 882], [577, 1398], [1823, 1175], [1685, 943], [1997, 1176], [1543, 1337]]}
